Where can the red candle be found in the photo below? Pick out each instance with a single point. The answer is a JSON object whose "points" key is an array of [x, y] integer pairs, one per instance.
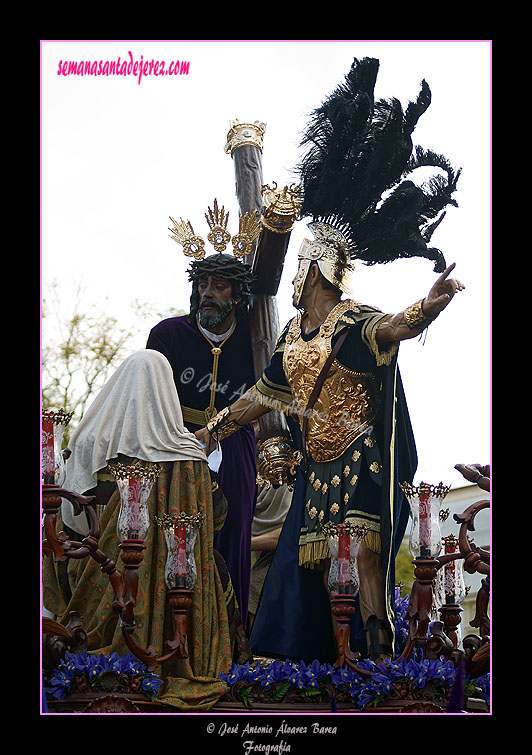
{"points": [[424, 521], [450, 571], [343, 556], [450, 546], [133, 501], [180, 534], [48, 455]]}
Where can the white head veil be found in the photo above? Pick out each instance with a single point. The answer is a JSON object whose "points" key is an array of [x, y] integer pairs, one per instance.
{"points": [[137, 413]]}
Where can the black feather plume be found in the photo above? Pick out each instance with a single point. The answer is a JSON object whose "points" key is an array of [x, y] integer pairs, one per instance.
{"points": [[358, 154]]}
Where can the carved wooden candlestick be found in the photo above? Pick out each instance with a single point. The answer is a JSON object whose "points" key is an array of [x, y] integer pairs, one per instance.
{"points": [[51, 503], [421, 601], [180, 600], [343, 586], [450, 614], [131, 553], [420, 605], [452, 588], [343, 609], [425, 503], [52, 498], [89, 547], [180, 534], [134, 517]]}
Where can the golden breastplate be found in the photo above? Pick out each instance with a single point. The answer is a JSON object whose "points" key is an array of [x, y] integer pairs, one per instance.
{"points": [[348, 401]]}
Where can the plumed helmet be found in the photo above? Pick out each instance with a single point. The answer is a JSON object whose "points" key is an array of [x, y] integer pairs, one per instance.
{"points": [[355, 180]]}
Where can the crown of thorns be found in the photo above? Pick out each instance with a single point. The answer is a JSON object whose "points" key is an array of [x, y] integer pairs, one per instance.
{"points": [[223, 266]]}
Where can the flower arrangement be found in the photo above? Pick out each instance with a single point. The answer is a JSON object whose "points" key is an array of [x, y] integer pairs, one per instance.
{"points": [[84, 672], [415, 678]]}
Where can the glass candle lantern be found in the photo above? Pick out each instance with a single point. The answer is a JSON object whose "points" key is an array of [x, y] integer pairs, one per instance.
{"points": [[53, 430], [134, 482], [453, 589], [344, 543], [180, 533], [426, 514]]}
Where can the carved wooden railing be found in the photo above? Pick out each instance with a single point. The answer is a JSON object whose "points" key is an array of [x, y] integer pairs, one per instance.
{"points": [[56, 637], [443, 639]]}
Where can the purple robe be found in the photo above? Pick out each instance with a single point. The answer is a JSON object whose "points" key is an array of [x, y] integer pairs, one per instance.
{"points": [[191, 359]]}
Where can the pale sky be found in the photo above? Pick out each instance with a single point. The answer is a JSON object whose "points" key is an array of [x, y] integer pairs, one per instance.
{"points": [[119, 157]]}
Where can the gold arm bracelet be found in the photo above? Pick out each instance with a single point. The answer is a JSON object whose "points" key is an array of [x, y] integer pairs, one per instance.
{"points": [[414, 316], [221, 426]]}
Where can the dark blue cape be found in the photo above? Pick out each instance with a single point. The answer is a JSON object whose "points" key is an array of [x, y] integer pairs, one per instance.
{"points": [[293, 617]]}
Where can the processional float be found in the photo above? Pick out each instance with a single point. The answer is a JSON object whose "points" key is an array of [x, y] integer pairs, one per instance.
{"points": [[436, 574], [278, 211]]}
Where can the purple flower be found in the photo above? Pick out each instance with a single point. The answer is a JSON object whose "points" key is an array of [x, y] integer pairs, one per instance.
{"points": [[80, 662], [150, 685], [130, 665], [236, 673], [92, 666], [273, 674], [363, 690], [364, 700], [60, 684], [483, 682]]}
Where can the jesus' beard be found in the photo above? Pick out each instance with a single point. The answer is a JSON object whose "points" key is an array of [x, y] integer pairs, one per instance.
{"points": [[210, 320]]}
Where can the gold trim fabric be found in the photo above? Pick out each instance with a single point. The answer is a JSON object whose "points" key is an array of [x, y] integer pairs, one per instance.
{"points": [[195, 416], [314, 549], [266, 394], [191, 684], [383, 354]]}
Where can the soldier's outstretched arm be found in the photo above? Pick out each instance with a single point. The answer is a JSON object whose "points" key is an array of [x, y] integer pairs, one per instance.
{"points": [[414, 319]]}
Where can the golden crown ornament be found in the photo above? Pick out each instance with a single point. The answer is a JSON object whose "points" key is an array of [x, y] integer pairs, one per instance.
{"points": [[281, 207], [241, 134], [183, 233], [249, 228], [217, 218]]}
